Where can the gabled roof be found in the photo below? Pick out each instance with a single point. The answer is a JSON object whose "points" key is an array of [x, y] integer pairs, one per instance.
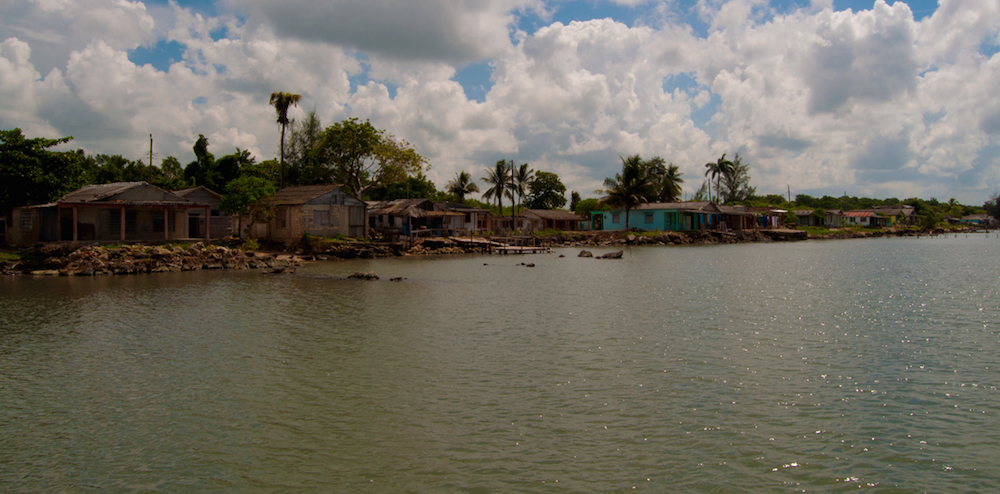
{"points": [[737, 209], [859, 214], [301, 194], [551, 214], [407, 208], [185, 192], [112, 194]]}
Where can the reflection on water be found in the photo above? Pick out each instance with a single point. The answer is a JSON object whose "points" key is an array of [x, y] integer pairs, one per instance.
{"points": [[817, 366]]}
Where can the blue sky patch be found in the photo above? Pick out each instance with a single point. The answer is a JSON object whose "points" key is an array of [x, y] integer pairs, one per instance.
{"points": [[475, 80], [161, 55]]}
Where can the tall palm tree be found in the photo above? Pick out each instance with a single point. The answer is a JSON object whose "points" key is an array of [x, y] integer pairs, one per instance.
{"points": [[670, 184], [717, 170], [461, 185], [631, 187], [499, 180], [281, 102], [522, 178]]}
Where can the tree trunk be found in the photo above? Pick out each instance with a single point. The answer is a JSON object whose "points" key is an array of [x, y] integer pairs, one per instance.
{"points": [[281, 171]]}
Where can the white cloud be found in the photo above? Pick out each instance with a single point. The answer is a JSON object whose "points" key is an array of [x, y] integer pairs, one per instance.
{"points": [[870, 102]]}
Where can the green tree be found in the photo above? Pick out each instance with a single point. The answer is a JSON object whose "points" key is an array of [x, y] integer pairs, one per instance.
{"points": [[574, 200], [586, 206], [281, 102], [717, 170], [462, 185], [499, 180], [248, 195], [32, 174], [523, 176], [202, 170], [992, 206], [171, 175], [304, 151], [416, 186], [704, 193], [736, 182], [546, 191], [631, 187], [668, 182], [229, 167], [107, 169], [364, 157]]}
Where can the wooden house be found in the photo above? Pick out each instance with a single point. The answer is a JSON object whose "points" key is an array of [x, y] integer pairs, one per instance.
{"points": [[116, 212], [320, 210], [531, 220], [473, 219], [867, 218], [411, 217]]}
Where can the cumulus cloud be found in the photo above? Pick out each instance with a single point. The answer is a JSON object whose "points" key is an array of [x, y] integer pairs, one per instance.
{"points": [[869, 102], [438, 30]]}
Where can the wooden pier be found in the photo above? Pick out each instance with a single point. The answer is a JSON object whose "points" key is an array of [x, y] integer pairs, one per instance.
{"points": [[492, 246]]}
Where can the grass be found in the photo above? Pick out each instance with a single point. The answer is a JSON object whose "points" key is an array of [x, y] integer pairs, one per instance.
{"points": [[9, 256]]}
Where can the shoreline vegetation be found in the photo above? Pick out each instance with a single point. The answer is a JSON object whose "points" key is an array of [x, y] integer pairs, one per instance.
{"points": [[65, 259]]}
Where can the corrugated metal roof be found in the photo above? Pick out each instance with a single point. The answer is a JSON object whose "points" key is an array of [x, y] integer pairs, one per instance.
{"points": [[184, 192], [859, 214], [698, 206], [98, 192], [301, 194], [407, 208], [552, 214]]}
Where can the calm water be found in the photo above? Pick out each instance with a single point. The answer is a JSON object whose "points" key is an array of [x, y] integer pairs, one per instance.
{"points": [[815, 366]]}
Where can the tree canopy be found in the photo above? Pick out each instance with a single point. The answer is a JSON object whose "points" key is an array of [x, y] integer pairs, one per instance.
{"points": [[546, 191], [630, 188], [32, 174], [364, 157]]}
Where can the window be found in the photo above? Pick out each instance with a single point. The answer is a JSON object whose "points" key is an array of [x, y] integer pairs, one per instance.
{"points": [[158, 221], [616, 217], [649, 218], [26, 217]]}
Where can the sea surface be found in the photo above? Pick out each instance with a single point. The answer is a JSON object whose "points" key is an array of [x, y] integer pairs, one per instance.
{"points": [[819, 366]]}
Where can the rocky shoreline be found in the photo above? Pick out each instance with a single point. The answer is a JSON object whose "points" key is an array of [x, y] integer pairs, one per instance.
{"points": [[66, 260]]}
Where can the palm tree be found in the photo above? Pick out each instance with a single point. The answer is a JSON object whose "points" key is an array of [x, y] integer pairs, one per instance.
{"points": [[500, 182], [631, 187], [670, 184], [522, 178], [281, 102], [461, 185], [717, 170]]}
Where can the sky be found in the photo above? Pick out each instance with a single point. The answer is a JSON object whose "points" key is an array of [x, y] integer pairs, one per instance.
{"points": [[821, 97]]}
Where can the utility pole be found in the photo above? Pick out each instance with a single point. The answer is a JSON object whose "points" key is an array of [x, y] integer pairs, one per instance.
{"points": [[789, 193], [150, 159]]}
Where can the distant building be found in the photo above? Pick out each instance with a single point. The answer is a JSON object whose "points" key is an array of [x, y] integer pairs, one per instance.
{"points": [[666, 216], [222, 225], [532, 220], [320, 210], [116, 212]]}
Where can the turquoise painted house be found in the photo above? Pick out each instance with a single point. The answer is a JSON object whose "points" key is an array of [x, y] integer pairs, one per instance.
{"points": [[663, 216]]}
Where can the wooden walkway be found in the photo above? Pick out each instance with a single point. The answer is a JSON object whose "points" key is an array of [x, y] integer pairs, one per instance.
{"points": [[492, 246]]}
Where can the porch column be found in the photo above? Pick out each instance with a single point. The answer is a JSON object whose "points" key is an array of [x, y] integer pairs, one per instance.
{"points": [[121, 226], [166, 224], [74, 224], [208, 226]]}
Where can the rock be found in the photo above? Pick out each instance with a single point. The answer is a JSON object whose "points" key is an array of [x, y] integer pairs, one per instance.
{"points": [[398, 278], [45, 272], [585, 253], [612, 255], [282, 270], [531, 264], [370, 275], [562, 255]]}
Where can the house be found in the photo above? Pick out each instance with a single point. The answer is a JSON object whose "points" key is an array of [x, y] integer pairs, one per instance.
{"points": [[473, 219], [320, 210], [769, 217], [411, 217], [866, 218], [222, 225], [831, 218], [116, 212], [667, 216], [900, 214], [531, 220], [737, 217], [978, 220]]}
